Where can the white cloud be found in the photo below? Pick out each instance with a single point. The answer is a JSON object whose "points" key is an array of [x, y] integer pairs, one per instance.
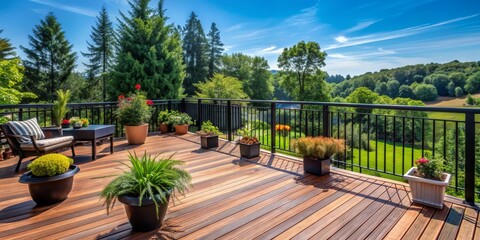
{"points": [[341, 39], [234, 28], [73, 9], [306, 16], [395, 34], [361, 25], [337, 55]]}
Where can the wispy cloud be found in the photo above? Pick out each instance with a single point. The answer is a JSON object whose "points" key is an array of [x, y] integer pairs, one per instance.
{"points": [[263, 51], [235, 27], [361, 25], [341, 39], [68, 8], [395, 34], [306, 16]]}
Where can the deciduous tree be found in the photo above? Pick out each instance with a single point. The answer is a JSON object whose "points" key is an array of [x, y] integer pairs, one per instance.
{"points": [[221, 86]]}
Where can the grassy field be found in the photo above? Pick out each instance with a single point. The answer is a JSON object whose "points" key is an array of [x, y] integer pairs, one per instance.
{"points": [[450, 102]]}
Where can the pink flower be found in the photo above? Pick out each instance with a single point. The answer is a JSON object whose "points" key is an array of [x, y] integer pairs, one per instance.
{"points": [[149, 102], [137, 86], [422, 160], [129, 99]]}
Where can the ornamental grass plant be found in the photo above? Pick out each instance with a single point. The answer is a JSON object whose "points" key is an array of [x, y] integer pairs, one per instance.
{"points": [[148, 177], [319, 147]]}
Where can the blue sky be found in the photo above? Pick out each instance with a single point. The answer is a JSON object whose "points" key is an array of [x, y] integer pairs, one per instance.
{"points": [[358, 36]]}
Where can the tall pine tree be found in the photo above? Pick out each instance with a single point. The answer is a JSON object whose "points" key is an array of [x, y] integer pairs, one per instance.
{"points": [[100, 50], [6, 49], [50, 59], [195, 53], [215, 49], [149, 53]]}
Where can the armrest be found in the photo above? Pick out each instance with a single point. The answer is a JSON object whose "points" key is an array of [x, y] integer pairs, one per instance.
{"points": [[52, 132]]}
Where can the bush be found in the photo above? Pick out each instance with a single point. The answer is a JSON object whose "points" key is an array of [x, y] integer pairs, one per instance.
{"points": [[319, 147], [180, 119], [426, 92], [134, 110], [458, 92], [209, 129], [50, 165], [164, 116]]}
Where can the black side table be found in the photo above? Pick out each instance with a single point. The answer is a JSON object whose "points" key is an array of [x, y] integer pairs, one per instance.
{"points": [[92, 133]]}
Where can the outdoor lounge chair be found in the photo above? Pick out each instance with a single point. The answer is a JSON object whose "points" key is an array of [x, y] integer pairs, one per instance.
{"points": [[28, 144]]}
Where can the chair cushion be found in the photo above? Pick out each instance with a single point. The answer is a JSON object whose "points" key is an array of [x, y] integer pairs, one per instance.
{"points": [[44, 143], [26, 128]]}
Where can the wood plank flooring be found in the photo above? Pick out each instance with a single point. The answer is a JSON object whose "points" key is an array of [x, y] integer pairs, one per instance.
{"points": [[231, 198]]}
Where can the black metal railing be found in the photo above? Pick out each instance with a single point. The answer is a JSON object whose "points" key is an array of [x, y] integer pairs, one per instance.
{"points": [[381, 140]]}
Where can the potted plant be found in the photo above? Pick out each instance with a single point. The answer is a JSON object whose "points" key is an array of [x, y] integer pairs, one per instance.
{"points": [[428, 182], [164, 120], [209, 135], [76, 122], [134, 114], [180, 122], [249, 145], [60, 108], [65, 123], [7, 153], [145, 189], [50, 178], [317, 153]]}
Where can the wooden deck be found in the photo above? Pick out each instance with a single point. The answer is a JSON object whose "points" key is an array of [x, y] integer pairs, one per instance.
{"points": [[231, 198]]}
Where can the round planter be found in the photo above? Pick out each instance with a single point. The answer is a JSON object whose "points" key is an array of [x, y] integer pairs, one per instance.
{"points": [[144, 218], [136, 134], [50, 190], [164, 128], [181, 129]]}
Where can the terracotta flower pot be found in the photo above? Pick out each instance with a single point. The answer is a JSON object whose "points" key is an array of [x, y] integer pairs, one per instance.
{"points": [[136, 134], [164, 128], [181, 129]]}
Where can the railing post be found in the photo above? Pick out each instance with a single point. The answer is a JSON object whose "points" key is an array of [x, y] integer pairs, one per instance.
{"points": [[169, 105], [273, 122], [470, 157], [20, 114], [183, 105], [199, 113], [326, 121], [229, 120]]}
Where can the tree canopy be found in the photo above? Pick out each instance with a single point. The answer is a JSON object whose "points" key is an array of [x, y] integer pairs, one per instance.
{"points": [[215, 50], [149, 53], [7, 51], [221, 86], [49, 59]]}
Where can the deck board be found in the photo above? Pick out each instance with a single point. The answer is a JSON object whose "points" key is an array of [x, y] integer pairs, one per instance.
{"points": [[231, 198]]}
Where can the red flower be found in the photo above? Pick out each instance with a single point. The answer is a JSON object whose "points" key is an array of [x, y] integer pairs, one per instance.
{"points": [[129, 99], [121, 97], [149, 102], [65, 121], [137, 86], [422, 161]]}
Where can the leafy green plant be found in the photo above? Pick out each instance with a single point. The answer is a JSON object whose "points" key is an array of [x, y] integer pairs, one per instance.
{"points": [[60, 108], [134, 110], [148, 177], [50, 165], [164, 116], [180, 119], [429, 168], [4, 120], [83, 121], [209, 129], [318, 147]]}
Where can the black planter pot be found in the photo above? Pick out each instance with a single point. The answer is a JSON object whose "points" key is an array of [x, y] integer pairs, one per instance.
{"points": [[65, 125], [144, 218], [209, 141], [50, 190], [249, 150], [316, 166]]}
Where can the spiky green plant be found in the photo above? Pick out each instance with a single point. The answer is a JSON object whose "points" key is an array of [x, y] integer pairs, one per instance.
{"points": [[148, 177], [60, 108]]}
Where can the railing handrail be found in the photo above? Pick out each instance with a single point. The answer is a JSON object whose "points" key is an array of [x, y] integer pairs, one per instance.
{"points": [[42, 105], [355, 105]]}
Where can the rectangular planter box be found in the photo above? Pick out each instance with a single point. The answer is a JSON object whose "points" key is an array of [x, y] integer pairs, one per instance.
{"points": [[249, 150], [316, 166], [209, 141], [427, 191]]}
